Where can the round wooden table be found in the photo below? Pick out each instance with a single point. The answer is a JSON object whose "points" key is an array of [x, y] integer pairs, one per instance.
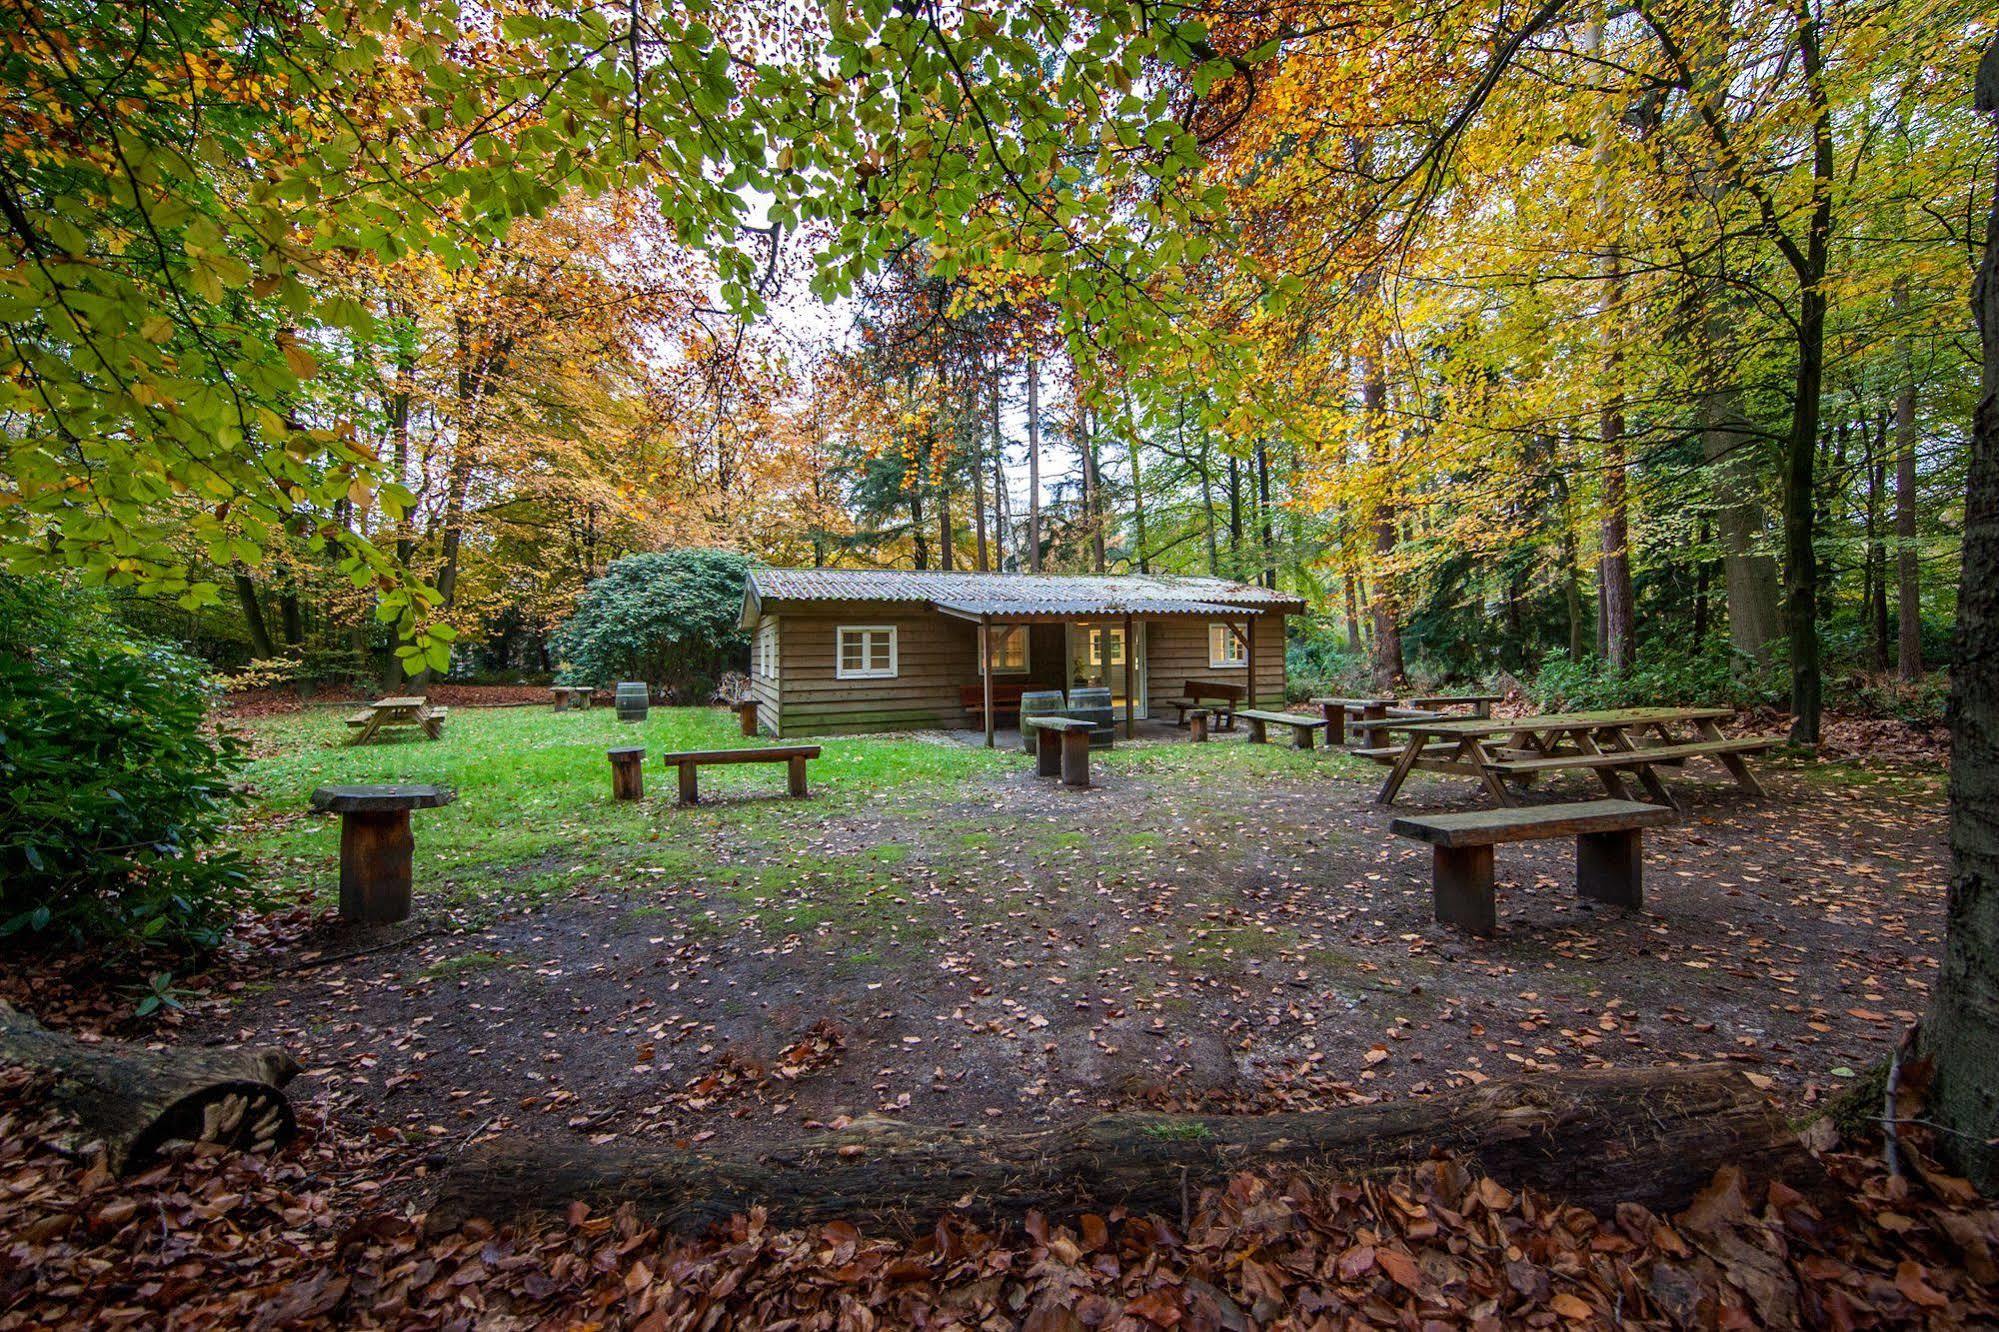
{"points": [[375, 845]]}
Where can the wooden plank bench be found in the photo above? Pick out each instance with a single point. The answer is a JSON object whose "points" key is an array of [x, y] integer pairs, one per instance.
{"points": [[1061, 747], [691, 761], [1199, 694], [1609, 856], [1480, 704], [1641, 759], [1302, 726]]}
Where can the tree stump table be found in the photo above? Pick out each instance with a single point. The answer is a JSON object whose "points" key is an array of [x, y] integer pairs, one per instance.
{"points": [[746, 715], [375, 846], [627, 772], [1197, 726]]}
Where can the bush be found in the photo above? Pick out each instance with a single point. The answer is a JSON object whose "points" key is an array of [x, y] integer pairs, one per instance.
{"points": [[670, 618], [1660, 677], [1317, 663], [112, 788]]}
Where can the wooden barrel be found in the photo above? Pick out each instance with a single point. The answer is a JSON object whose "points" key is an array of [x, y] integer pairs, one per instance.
{"points": [[1093, 704], [1041, 702], [633, 698]]}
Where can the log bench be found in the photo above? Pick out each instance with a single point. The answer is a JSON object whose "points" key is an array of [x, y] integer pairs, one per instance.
{"points": [[1061, 747], [1302, 726], [1609, 863], [691, 761], [1201, 694]]}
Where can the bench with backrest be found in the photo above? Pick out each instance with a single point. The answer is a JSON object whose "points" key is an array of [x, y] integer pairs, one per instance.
{"points": [[1061, 747], [1302, 725], [1219, 697], [1609, 854], [691, 761], [1006, 701]]}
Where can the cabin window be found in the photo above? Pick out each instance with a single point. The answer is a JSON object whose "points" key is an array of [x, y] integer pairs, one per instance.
{"points": [[1009, 649], [1225, 648], [867, 652], [766, 656]]}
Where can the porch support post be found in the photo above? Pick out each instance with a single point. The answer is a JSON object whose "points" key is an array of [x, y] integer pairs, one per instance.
{"points": [[1249, 661], [1130, 681], [986, 657]]}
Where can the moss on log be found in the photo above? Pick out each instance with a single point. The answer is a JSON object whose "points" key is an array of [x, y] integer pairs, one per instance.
{"points": [[1594, 1138]]}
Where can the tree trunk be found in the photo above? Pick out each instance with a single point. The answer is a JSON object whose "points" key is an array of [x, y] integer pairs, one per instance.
{"points": [[1700, 586], [1619, 614], [1962, 1029], [1877, 559], [137, 1100], [1033, 465], [1749, 575], [1388, 666], [947, 540], [1000, 506], [978, 473], [1235, 518], [1595, 1138], [291, 617], [1353, 614], [253, 618], [1268, 533], [1908, 586], [1137, 491]]}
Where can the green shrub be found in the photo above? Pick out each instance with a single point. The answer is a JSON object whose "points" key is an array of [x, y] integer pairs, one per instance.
{"points": [[670, 618], [113, 790], [1660, 677]]}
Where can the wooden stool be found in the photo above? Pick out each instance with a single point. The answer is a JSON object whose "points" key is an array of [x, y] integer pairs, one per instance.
{"points": [[1197, 726], [1062, 745], [375, 846], [746, 714], [1336, 724], [627, 772]]}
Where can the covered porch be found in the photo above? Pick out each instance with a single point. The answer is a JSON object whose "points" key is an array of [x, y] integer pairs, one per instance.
{"points": [[1145, 650]]}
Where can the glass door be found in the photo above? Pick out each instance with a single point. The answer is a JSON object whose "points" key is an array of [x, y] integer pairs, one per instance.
{"points": [[1098, 657]]}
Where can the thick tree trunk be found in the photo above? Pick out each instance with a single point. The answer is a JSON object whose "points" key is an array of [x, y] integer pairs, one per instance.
{"points": [[1235, 518], [1267, 524], [978, 472], [1962, 1029], [1618, 610], [1749, 574], [253, 617], [1595, 1138], [137, 1100], [1033, 465], [1143, 560], [1388, 667]]}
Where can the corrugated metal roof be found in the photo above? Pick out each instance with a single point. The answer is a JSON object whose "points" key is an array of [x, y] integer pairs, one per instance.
{"points": [[1043, 594], [1085, 606]]}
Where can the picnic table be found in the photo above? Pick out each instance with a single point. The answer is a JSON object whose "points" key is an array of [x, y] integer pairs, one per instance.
{"points": [[1612, 744], [401, 713]]}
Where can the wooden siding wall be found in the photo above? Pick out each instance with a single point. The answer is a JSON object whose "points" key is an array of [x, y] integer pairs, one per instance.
{"points": [[1176, 651], [936, 656], [770, 715]]}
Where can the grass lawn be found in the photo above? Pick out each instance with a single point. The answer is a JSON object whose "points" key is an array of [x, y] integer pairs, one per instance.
{"points": [[534, 807]]}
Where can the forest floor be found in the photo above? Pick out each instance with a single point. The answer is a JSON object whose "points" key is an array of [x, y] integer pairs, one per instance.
{"points": [[937, 934]]}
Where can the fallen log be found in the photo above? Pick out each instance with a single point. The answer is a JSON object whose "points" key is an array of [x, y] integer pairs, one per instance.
{"points": [[137, 1100], [1593, 1138]]}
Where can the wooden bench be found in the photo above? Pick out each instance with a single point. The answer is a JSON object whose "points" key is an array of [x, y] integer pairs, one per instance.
{"points": [[1061, 747], [571, 698], [1301, 726], [1480, 704], [1204, 694], [1609, 856], [691, 761], [1006, 700], [1640, 760]]}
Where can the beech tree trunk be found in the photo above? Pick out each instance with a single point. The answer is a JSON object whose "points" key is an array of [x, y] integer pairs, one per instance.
{"points": [[1962, 1029], [1595, 1138], [1908, 585], [253, 617], [1033, 465], [137, 1100]]}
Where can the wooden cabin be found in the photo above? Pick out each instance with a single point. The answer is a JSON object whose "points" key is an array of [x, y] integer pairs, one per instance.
{"points": [[847, 650]]}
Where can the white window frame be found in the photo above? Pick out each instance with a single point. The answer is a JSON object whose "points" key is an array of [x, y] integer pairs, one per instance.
{"points": [[1026, 650], [766, 662], [1226, 651], [840, 671]]}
